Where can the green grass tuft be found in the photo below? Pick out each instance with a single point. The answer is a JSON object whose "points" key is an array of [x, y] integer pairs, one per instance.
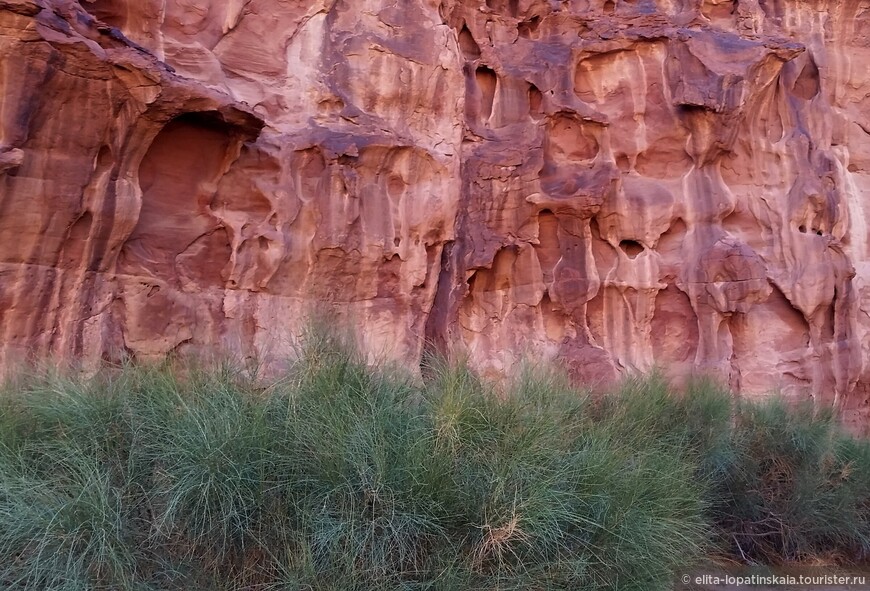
{"points": [[343, 476]]}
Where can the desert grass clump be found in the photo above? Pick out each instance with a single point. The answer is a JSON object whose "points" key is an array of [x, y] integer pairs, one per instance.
{"points": [[341, 475], [797, 488], [208, 449], [781, 482], [364, 496], [63, 482], [550, 498]]}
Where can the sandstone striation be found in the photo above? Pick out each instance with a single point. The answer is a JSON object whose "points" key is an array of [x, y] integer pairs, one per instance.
{"points": [[617, 184]]}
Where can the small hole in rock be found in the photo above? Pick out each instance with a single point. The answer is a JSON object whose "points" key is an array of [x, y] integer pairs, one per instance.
{"points": [[803, 229], [526, 28], [631, 247], [536, 100], [469, 46], [487, 81]]}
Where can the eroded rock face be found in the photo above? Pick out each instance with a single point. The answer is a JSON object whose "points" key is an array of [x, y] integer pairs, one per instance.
{"points": [[617, 184]]}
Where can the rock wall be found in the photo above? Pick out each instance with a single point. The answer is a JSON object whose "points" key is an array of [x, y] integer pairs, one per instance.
{"points": [[616, 184]]}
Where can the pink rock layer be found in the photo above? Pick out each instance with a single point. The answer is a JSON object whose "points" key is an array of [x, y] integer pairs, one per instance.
{"points": [[617, 185]]}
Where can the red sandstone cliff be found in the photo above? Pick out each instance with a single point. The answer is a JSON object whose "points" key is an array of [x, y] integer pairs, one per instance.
{"points": [[617, 184]]}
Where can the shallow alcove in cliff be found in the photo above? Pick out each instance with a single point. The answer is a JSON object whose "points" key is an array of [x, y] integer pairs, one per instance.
{"points": [[184, 160]]}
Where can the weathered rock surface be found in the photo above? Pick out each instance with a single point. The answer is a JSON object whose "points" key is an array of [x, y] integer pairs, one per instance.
{"points": [[617, 184]]}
